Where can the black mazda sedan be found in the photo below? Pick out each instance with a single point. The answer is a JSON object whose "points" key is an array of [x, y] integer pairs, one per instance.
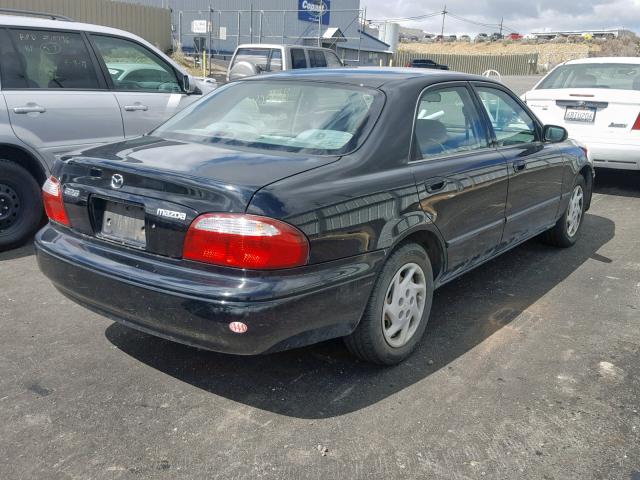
{"points": [[288, 209]]}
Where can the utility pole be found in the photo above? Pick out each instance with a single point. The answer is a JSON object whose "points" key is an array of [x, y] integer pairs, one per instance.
{"points": [[501, 20], [444, 14]]}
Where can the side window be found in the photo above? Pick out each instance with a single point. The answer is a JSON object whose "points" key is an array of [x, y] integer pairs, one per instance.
{"points": [[511, 123], [133, 67], [332, 60], [48, 59], [276, 60], [298, 59], [447, 122], [316, 59]]}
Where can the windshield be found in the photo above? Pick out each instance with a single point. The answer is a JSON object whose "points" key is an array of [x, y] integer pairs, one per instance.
{"points": [[288, 116], [620, 76]]}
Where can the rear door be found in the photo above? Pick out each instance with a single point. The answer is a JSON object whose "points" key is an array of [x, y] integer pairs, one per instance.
{"points": [[57, 98], [461, 178], [535, 169], [146, 87]]}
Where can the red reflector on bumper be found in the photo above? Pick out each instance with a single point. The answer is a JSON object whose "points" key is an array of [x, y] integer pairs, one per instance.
{"points": [[238, 327]]}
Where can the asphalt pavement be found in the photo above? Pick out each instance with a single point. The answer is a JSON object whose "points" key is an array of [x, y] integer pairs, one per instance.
{"points": [[522, 83], [529, 369]]}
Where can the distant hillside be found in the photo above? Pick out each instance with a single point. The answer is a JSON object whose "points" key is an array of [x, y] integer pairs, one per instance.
{"points": [[549, 54]]}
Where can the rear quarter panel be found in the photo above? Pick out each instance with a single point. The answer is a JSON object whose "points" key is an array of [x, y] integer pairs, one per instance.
{"points": [[365, 201]]}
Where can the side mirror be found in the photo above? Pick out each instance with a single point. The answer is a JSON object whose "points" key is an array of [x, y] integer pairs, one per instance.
{"points": [[188, 85], [554, 134]]}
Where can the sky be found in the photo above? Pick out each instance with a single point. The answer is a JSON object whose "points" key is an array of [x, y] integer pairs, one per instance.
{"points": [[520, 16]]}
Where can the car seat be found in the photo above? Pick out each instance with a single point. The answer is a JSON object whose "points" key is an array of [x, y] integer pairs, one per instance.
{"points": [[431, 136]]}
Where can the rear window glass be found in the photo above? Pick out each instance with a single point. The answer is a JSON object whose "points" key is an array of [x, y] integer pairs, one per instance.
{"points": [[298, 59], [286, 116], [316, 59], [619, 76], [48, 59], [332, 60], [268, 60]]}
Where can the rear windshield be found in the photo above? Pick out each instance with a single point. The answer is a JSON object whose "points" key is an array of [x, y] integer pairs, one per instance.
{"points": [[267, 59], [620, 76], [309, 117]]}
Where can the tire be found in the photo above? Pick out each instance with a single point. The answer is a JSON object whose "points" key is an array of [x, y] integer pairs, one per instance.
{"points": [[20, 205], [564, 233], [374, 339]]}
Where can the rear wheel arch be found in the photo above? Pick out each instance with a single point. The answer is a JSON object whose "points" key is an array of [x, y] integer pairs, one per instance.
{"points": [[432, 244], [26, 160]]}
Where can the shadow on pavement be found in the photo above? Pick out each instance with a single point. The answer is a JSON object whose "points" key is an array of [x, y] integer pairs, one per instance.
{"points": [[20, 252], [624, 183], [325, 381]]}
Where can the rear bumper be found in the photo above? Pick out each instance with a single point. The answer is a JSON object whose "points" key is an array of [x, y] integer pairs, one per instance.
{"points": [[194, 305], [613, 153]]}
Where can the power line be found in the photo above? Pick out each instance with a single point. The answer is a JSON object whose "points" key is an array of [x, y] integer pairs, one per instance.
{"points": [[444, 12], [406, 19], [481, 24]]}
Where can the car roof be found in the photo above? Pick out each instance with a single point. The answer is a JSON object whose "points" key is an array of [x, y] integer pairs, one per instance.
{"points": [[33, 22], [21, 21], [278, 45], [634, 60], [374, 77]]}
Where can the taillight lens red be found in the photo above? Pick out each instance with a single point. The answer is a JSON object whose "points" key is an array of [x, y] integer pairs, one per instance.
{"points": [[52, 199], [636, 125], [245, 241]]}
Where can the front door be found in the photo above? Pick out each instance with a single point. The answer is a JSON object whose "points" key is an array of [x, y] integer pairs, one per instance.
{"points": [[56, 98], [535, 168], [461, 178], [145, 86]]}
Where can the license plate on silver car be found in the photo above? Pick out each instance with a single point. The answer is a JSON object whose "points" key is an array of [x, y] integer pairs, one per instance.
{"points": [[124, 223], [586, 115]]}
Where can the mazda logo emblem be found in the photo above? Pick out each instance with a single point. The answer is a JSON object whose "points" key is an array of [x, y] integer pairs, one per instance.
{"points": [[117, 181]]}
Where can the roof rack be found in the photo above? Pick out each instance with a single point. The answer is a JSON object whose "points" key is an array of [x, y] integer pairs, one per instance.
{"points": [[52, 16]]}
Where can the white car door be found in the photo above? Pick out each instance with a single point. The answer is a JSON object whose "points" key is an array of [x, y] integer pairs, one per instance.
{"points": [[146, 87], [56, 97]]}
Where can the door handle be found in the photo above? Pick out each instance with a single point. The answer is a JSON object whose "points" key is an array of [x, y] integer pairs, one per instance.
{"points": [[136, 107], [436, 185], [33, 108], [519, 165]]}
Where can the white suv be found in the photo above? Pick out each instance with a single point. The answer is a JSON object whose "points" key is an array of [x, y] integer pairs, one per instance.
{"points": [[65, 86], [255, 58]]}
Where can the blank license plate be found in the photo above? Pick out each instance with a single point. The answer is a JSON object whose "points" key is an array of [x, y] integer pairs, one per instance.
{"points": [[124, 223], [586, 115]]}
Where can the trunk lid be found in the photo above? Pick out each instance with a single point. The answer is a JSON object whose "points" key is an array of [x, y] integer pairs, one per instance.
{"points": [[614, 112], [144, 193]]}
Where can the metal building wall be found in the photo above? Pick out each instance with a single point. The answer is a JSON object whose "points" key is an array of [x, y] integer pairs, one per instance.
{"points": [[343, 14], [149, 22]]}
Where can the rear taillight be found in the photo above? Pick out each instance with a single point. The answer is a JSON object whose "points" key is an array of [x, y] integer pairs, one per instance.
{"points": [[52, 199], [636, 125], [245, 241]]}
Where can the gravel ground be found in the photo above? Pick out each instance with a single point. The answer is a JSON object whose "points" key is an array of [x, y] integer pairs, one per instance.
{"points": [[529, 369]]}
